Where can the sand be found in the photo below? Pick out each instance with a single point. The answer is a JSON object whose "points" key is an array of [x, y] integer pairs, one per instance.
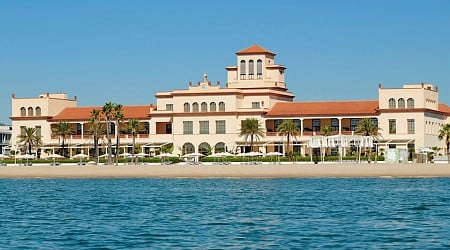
{"points": [[229, 171]]}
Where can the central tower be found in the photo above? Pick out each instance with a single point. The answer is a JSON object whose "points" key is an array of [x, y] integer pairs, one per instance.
{"points": [[256, 69]]}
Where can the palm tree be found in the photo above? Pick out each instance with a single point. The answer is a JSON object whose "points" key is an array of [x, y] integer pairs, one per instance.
{"points": [[444, 133], [95, 128], [107, 111], [326, 131], [29, 138], [252, 128], [62, 130], [118, 116], [366, 127], [289, 129], [134, 127]]}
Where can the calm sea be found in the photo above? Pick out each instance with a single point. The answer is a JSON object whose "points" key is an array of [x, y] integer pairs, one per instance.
{"points": [[225, 213]]}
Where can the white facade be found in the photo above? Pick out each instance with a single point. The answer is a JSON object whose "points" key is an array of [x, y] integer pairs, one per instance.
{"points": [[206, 116]]}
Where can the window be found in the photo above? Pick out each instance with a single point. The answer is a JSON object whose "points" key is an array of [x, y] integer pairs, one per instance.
{"points": [[220, 147], [169, 128], [187, 107], [147, 127], [195, 107], [78, 129], [374, 122], [204, 107], [251, 69], [169, 107], [392, 126], [220, 127], [256, 105], [316, 125], [277, 123], [221, 106], [353, 123], [38, 131], [259, 69], [212, 107], [243, 70], [30, 111], [334, 125], [401, 103], [204, 148], [188, 148], [22, 130], [23, 111], [204, 127], [392, 104], [38, 111], [410, 103], [411, 126], [298, 123], [188, 128]]}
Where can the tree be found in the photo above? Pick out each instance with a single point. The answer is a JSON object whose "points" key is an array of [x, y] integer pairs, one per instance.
{"points": [[252, 128], [29, 138], [95, 129], [62, 130], [289, 129], [366, 127], [107, 111], [326, 131], [444, 133], [118, 116], [134, 127]]}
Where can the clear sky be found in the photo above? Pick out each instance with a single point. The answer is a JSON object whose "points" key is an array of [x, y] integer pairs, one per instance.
{"points": [[126, 51]]}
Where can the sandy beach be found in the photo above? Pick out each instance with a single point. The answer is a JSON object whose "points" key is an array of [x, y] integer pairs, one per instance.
{"points": [[229, 171]]}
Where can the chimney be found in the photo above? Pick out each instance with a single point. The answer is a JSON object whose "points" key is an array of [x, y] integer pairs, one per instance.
{"points": [[13, 95], [379, 85]]}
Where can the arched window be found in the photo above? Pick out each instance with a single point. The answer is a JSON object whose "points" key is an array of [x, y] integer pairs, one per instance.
{"points": [[23, 111], [243, 70], [204, 107], [410, 103], [251, 69], [188, 148], [221, 106], [259, 68], [38, 111], [219, 148], [204, 148], [187, 107], [392, 104], [195, 107], [212, 107], [30, 111], [401, 103]]}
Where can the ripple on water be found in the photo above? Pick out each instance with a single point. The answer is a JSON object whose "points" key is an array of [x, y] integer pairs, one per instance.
{"points": [[225, 213]]}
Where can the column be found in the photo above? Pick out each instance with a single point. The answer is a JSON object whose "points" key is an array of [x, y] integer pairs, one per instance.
{"points": [[340, 125], [301, 127], [82, 130]]}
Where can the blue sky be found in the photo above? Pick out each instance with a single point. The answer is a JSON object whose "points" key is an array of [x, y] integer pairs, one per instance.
{"points": [[126, 51]]}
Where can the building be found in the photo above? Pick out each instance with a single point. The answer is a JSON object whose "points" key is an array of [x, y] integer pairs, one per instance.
{"points": [[5, 139], [206, 117]]}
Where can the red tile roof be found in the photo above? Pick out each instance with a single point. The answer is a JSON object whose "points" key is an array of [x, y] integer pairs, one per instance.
{"points": [[254, 49], [83, 113], [444, 108], [337, 108]]}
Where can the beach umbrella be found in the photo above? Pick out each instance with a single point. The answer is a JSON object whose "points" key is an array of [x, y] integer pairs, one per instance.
{"points": [[126, 155], [142, 155], [80, 156], [166, 155], [277, 154], [193, 155], [25, 156], [54, 157]]}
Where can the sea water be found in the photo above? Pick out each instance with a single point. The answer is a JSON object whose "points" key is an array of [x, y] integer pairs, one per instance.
{"points": [[333, 213]]}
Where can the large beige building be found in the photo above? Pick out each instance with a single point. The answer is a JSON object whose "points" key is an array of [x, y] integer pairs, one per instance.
{"points": [[207, 116]]}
